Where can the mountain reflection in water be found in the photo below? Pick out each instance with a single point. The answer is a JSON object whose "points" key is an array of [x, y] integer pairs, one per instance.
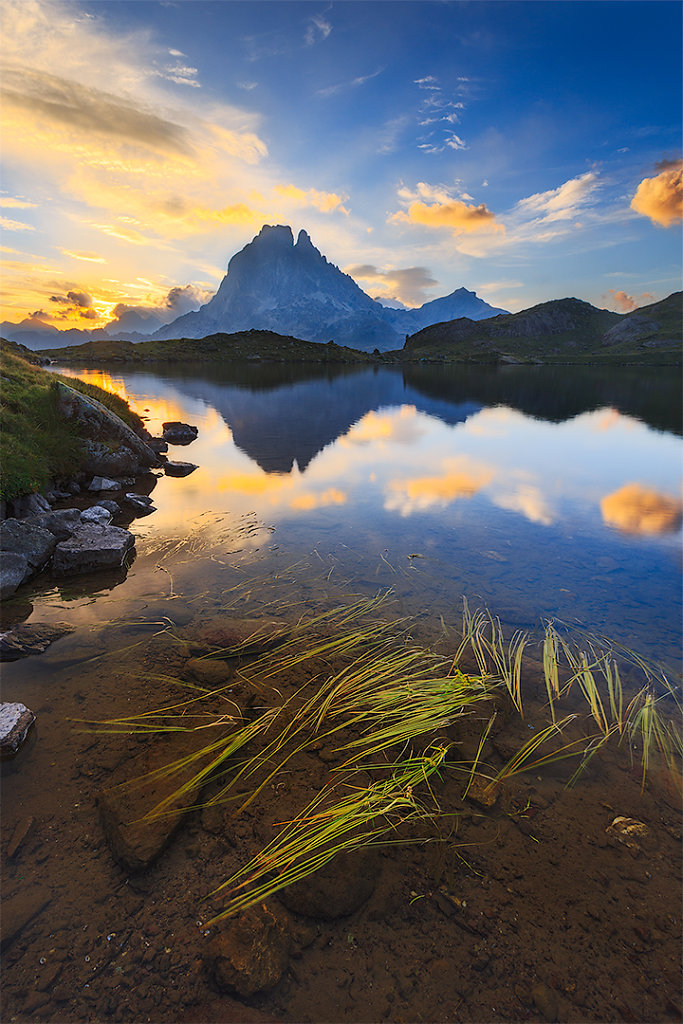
{"points": [[538, 491]]}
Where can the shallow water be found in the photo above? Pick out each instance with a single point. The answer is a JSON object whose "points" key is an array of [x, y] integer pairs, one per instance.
{"points": [[538, 493]]}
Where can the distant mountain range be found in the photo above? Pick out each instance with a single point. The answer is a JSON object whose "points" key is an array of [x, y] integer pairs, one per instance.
{"points": [[275, 284]]}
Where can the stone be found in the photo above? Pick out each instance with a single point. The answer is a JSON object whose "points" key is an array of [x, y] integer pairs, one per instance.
{"points": [[110, 505], [15, 722], [96, 514], [175, 432], [19, 836], [136, 841], [29, 505], [103, 483], [179, 468], [235, 636], [158, 445], [92, 547], [481, 793], [35, 543], [140, 503], [628, 832], [97, 419], [14, 570], [30, 638], [250, 953], [61, 523], [209, 670], [338, 888]]}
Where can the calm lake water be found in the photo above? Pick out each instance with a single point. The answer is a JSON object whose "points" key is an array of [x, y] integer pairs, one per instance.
{"points": [[540, 493]]}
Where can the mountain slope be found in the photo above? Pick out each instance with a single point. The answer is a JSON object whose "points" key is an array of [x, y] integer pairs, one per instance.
{"points": [[561, 330]]}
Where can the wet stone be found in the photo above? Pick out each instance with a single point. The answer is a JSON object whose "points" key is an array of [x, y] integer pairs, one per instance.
{"points": [[250, 953], [337, 889], [209, 670], [176, 432], [15, 722], [238, 636], [30, 638], [179, 468], [91, 548]]}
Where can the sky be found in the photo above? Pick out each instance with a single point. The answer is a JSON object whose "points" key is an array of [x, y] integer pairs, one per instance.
{"points": [[526, 151]]}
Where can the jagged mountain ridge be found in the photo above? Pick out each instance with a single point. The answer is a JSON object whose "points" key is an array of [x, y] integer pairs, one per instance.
{"points": [[278, 285]]}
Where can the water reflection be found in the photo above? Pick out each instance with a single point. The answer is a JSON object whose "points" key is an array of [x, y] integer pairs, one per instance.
{"points": [[538, 491]]}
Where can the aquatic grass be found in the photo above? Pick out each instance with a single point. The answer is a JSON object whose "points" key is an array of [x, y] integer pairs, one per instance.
{"points": [[493, 655], [525, 759], [321, 831]]}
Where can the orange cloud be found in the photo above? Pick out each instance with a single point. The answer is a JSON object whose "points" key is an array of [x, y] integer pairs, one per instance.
{"points": [[307, 501], [635, 509], [458, 216], [420, 493], [627, 303], [402, 427], [661, 198]]}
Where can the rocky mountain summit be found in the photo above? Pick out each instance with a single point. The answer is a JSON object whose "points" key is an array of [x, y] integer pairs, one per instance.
{"points": [[275, 284]]}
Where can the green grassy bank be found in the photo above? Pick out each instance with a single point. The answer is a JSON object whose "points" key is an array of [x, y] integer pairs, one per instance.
{"points": [[37, 444]]}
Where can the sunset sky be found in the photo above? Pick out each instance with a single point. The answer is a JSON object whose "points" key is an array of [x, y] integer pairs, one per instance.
{"points": [[526, 151]]}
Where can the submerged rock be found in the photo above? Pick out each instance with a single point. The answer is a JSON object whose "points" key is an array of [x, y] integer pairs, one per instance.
{"points": [[629, 832], [338, 888], [176, 432], [15, 722], [250, 953], [139, 788], [179, 468], [30, 638], [92, 547], [233, 637]]}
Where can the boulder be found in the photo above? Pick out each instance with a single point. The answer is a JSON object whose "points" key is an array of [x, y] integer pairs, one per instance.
{"points": [[15, 722], [179, 468], [30, 638], [96, 419], [140, 503], [110, 505], [29, 505], [92, 547], [61, 523], [176, 432], [103, 483], [250, 953], [35, 543], [14, 570], [158, 445], [96, 514]]}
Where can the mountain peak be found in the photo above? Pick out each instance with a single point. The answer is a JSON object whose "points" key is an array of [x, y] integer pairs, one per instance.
{"points": [[279, 235]]}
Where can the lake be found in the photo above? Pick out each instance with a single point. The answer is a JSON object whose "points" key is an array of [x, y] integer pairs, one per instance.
{"points": [[536, 493], [539, 493]]}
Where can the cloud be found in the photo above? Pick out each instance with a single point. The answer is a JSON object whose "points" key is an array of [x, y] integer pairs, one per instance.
{"points": [[529, 501], [317, 29], [307, 501], [637, 509], [623, 303], [403, 427], [455, 215], [88, 257], [408, 284], [352, 83], [179, 300], [323, 201], [661, 198], [16, 204], [561, 203], [15, 225], [73, 299]]}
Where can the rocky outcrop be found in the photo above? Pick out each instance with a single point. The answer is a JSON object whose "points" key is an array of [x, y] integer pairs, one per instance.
{"points": [[96, 419]]}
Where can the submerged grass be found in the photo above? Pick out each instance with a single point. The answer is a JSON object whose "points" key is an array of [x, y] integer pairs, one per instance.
{"points": [[377, 699]]}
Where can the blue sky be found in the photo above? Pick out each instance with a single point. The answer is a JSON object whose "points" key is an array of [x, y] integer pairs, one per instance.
{"points": [[526, 151]]}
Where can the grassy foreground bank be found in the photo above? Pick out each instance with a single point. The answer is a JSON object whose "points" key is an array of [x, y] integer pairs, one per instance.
{"points": [[38, 445]]}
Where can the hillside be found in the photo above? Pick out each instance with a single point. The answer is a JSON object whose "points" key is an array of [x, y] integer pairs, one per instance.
{"points": [[562, 330], [242, 346]]}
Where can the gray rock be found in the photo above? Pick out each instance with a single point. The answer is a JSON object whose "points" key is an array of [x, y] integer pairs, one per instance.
{"points": [[141, 503], [30, 638], [96, 418], [101, 459], [92, 547], [96, 514], [15, 722], [250, 953], [176, 432], [158, 445], [35, 543], [14, 570], [61, 523], [179, 468], [103, 483], [29, 505], [110, 505]]}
